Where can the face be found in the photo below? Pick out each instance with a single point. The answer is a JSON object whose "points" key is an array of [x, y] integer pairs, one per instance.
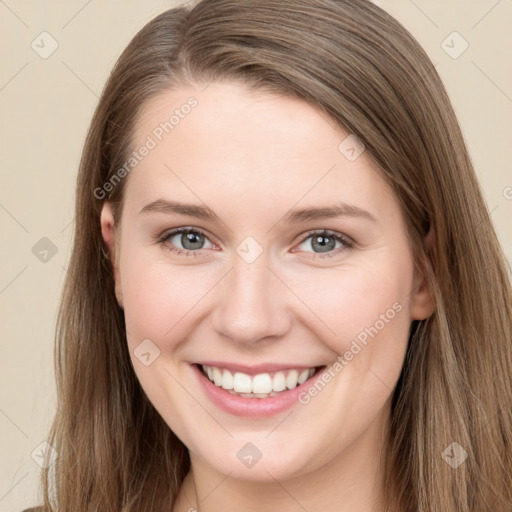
{"points": [[254, 241]]}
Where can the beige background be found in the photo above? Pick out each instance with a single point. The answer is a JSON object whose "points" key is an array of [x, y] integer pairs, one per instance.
{"points": [[46, 105]]}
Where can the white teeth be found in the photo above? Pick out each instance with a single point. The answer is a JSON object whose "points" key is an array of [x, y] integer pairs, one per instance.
{"points": [[261, 385], [291, 379], [217, 376], [227, 380], [303, 376], [242, 383], [279, 382]]}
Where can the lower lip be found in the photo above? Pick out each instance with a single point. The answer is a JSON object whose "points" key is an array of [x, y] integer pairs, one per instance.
{"points": [[252, 407]]}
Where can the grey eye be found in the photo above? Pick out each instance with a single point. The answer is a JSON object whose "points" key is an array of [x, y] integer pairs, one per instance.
{"points": [[319, 242], [188, 240]]}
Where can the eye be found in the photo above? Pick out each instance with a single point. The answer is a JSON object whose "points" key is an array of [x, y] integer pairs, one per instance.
{"points": [[190, 241], [185, 241], [327, 242]]}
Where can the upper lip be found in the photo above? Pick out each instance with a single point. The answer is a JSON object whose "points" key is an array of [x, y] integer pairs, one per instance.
{"points": [[257, 368]]}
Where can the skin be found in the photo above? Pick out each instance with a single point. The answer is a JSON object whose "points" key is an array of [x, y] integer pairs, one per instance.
{"points": [[251, 156]]}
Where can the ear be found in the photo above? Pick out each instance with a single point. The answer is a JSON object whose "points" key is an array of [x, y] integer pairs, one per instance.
{"points": [[422, 302], [108, 232]]}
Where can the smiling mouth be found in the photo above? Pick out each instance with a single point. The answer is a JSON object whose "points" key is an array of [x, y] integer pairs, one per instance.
{"points": [[261, 385]]}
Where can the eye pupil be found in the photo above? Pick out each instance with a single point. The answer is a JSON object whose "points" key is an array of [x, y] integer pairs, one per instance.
{"points": [[324, 243], [192, 240]]}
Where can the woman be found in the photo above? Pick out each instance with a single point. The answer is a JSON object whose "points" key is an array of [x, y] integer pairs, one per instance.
{"points": [[285, 290]]}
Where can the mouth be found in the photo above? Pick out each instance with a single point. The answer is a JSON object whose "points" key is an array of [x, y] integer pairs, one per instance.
{"points": [[261, 385], [255, 396]]}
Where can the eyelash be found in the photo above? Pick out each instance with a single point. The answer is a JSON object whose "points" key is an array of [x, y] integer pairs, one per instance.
{"points": [[345, 240]]}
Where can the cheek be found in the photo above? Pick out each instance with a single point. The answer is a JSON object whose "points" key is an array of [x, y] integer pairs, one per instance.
{"points": [[362, 311], [158, 296]]}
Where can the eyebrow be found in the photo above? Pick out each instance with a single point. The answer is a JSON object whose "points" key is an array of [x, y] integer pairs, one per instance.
{"points": [[339, 210], [292, 217], [193, 210]]}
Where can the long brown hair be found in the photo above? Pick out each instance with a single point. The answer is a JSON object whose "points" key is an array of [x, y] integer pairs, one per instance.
{"points": [[358, 64]]}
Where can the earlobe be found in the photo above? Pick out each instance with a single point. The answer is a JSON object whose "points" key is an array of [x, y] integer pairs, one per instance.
{"points": [[422, 302], [108, 233]]}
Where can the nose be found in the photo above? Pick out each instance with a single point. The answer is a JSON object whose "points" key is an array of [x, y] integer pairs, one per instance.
{"points": [[251, 305]]}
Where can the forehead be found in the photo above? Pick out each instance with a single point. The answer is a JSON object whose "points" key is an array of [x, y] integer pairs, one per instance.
{"points": [[254, 115], [231, 142]]}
